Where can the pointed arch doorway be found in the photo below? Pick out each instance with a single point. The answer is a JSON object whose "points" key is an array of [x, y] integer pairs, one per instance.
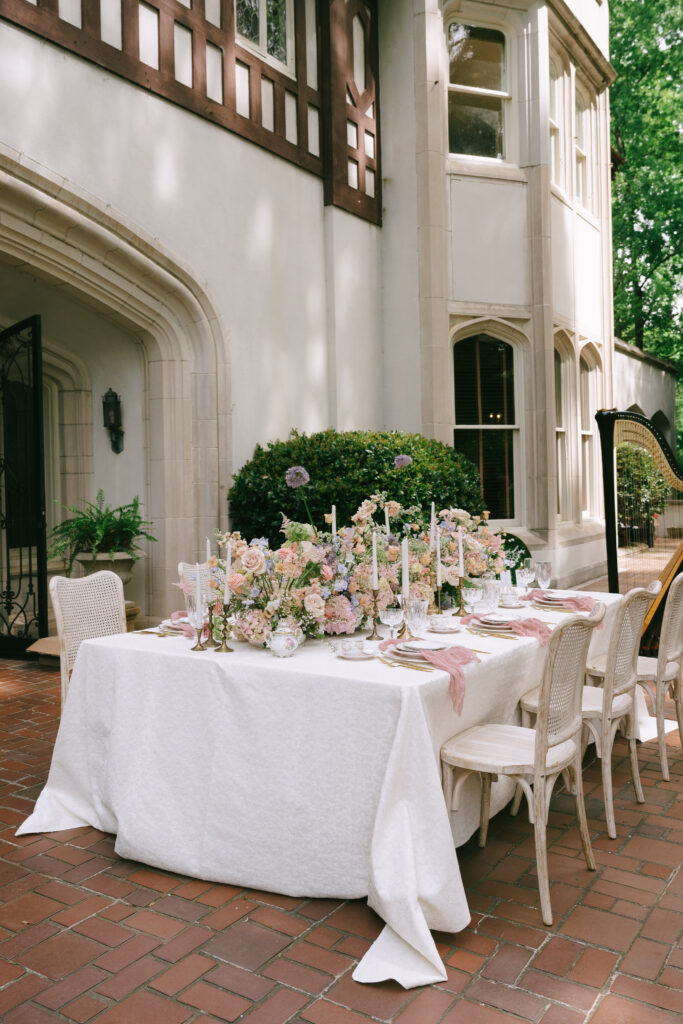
{"points": [[23, 565]]}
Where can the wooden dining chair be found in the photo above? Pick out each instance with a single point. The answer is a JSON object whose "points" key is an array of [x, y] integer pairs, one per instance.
{"points": [[612, 705], [533, 758], [661, 676], [84, 609]]}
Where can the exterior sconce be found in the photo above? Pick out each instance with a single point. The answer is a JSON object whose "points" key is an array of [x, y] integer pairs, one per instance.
{"points": [[111, 410]]}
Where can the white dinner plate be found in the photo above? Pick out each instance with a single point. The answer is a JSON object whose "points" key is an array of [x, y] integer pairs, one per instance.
{"points": [[417, 646]]}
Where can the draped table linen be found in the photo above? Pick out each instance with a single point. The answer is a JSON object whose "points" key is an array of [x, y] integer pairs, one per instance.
{"points": [[310, 776]]}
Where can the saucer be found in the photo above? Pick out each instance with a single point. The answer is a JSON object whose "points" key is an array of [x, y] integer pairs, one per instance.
{"points": [[360, 656]]}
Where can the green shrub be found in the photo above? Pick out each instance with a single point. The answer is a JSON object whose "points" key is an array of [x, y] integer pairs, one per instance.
{"points": [[344, 469]]}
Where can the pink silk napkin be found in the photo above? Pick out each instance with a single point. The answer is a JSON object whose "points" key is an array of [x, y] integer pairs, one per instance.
{"points": [[575, 604], [451, 660], [522, 627], [187, 629]]}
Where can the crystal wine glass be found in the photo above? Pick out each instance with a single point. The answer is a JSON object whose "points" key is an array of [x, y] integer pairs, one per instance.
{"points": [[391, 617], [471, 596], [526, 573]]}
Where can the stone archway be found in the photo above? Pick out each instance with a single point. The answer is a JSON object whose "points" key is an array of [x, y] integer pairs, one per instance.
{"points": [[65, 238]]}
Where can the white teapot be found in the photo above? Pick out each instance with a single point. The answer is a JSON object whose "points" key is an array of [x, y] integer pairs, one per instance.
{"points": [[283, 642]]}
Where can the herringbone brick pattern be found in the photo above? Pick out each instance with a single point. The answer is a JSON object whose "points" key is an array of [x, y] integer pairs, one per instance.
{"points": [[86, 936]]}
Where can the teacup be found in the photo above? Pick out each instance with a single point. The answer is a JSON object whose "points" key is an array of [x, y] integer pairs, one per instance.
{"points": [[352, 647]]}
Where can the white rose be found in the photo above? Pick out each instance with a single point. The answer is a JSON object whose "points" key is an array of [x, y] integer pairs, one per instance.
{"points": [[452, 575], [253, 560], [314, 605]]}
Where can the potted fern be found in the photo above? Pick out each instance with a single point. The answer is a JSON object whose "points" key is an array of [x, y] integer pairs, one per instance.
{"points": [[101, 537]]}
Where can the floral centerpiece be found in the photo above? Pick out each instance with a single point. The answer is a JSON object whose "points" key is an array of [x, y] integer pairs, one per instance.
{"points": [[320, 583]]}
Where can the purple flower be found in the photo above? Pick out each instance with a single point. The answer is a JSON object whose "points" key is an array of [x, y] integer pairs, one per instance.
{"points": [[402, 461], [296, 476]]}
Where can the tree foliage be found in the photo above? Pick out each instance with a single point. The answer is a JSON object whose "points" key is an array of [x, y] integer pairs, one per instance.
{"points": [[647, 133], [647, 196]]}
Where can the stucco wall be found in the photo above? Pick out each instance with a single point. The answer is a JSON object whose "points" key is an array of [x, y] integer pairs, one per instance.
{"points": [[648, 383], [224, 207]]}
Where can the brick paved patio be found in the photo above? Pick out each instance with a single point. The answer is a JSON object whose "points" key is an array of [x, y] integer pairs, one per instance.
{"points": [[86, 936]]}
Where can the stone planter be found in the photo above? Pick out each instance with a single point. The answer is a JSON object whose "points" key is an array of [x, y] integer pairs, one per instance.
{"points": [[120, 563]]}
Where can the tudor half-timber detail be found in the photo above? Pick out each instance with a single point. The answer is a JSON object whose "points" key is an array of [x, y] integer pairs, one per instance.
{"points": [[304, 89]]}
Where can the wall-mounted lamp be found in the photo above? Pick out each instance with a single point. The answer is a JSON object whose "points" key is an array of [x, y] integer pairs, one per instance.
{"points": [[111, 411]]}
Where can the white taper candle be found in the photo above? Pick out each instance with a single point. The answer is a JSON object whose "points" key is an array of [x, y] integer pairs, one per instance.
{"points": [[438, 558], [375, 578], [208, 549], [461, 557], [334, 520], [405, 571]]}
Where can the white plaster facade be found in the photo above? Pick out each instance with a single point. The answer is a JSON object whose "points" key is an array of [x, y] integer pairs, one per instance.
{"points": [[204, 279]]}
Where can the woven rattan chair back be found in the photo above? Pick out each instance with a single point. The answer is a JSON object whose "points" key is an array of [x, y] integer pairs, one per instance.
{"points": [[559, 707], [622, 655], [187, 572], [671, 636], [84, 609]]}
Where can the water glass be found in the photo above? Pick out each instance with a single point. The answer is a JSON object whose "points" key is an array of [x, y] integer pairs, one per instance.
{"points": [[391, 617], [472, 596], [490, 595], [415, 612], [195, 612], [544, 574]]}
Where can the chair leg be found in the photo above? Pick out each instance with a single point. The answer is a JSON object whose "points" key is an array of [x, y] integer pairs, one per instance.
{"points": [[581, 815], [661, 731], [516, 800], [633, 755], [678, 703], [485, 807], [447, 781], [606, 763], [541, 843]]}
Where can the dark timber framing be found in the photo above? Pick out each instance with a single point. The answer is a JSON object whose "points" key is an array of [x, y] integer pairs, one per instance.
{"points": [[335, 71]]}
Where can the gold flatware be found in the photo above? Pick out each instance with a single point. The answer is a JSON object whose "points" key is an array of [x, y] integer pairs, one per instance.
{"points": [[493, 633], [402, 664]]}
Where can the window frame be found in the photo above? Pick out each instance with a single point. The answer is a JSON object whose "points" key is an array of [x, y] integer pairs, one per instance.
{"points": [[516, 429], [588, 487], [260, 49], [584, 146], [459, 18], [558, 78]]}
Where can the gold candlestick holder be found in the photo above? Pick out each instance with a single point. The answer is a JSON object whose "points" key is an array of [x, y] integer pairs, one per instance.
{"points": [[375, 618], [200, 645], [225, 632], [438, 600], [461, 609], [210, 641]]}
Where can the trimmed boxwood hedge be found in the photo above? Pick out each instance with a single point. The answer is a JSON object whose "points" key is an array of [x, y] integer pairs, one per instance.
{"points": [[344, 469]]}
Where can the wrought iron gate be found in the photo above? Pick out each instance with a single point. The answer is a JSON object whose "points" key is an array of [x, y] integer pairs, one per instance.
{"points": [[23, 563]]}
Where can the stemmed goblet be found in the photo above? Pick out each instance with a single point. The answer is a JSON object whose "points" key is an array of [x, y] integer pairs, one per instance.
{"points": [[544, 574], [391, 617]]}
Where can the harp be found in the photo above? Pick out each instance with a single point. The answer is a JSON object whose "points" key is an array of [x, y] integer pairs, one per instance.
{"points": [[643, 489]]}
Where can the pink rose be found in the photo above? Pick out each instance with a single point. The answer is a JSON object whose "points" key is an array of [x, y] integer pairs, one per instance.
{"points": [[327, 572], [235, 581]]}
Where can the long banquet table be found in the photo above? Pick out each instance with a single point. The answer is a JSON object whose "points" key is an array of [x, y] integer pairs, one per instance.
{"points": [[308, 776]]}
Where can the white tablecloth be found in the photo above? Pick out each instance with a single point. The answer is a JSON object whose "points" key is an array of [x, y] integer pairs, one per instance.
{"points": [[309, 776]]}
